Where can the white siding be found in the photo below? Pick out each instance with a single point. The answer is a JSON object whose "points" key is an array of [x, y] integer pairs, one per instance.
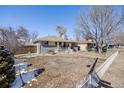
{"points": [[83, 47]]}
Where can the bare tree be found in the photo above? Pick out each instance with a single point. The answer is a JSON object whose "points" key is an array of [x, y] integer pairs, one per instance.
{"points": [[23, 35], [13, 43], [118, 38], [8, 38], [61, 31], [78, 35], [13, 39], [33, 36], [3, 37], [100, 22]]}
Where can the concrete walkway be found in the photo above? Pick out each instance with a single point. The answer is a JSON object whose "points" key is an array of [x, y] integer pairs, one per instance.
{"points": [[115, 73]]}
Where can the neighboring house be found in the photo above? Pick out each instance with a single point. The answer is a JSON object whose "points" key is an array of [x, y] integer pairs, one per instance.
{"points": [[86, 45], [29, 47]]}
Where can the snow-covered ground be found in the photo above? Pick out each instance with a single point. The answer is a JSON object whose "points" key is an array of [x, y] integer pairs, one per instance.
{"points": [[23, 76]]}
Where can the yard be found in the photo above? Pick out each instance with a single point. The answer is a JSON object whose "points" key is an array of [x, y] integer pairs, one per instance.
{"points": [[63, 70], [115, 73]]}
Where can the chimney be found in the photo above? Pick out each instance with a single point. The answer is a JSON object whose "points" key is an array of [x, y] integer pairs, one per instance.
{"points": [[63, 36]]}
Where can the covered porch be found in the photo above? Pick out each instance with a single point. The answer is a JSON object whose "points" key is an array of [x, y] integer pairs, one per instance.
{"points": [[54, 43], [45, 46]]}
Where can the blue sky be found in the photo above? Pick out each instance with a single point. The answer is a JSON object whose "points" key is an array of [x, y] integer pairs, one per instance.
{"points": [[42, 19]]}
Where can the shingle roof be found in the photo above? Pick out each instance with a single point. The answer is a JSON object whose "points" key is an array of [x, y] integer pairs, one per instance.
{"points": [[53, 38], [86, 42], [59, 39]]}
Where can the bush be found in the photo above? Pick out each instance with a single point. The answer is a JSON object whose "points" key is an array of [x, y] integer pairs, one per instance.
{"points": [[7, 70]]}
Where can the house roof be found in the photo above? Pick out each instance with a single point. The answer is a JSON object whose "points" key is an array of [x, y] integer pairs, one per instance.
{"points": [[30, 44], [59, 39], [53, 38], [86, 42]]}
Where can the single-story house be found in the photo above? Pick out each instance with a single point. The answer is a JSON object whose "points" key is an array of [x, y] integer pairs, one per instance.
{"points": [[47, 43], [56, 43], [86, 45]]}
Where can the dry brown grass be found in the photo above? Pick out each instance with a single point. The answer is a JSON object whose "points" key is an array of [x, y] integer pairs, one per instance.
{"points": [[115, 73], [63, 70]]}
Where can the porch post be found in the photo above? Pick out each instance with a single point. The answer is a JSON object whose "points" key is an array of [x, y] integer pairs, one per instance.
{"points": [[38, 48], [62, 44], [69, 45], [57, 44]]}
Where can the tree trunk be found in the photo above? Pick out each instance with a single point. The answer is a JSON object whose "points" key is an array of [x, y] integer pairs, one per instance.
{"points": [[99, 50], [98, 47]]}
